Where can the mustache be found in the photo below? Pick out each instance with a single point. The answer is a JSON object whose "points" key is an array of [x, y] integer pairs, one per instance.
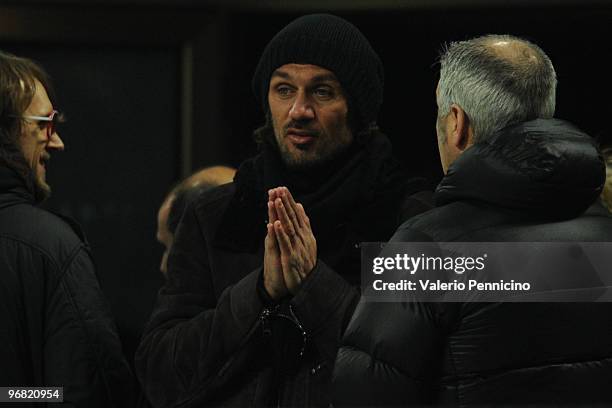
{"points": [[301, 128]]}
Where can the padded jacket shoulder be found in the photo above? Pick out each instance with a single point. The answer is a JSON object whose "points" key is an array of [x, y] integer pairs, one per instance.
{"points": [[508, 354], [57, 327]]}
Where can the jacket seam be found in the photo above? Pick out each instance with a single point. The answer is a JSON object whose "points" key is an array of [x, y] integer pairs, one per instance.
{"points": [[487, 375], [196, 394], [333, 307], [320, 327], [211, 201], [377, 359], [82, 325], [64, 269], [454, 365], [39, 249], [415, 197], [463, 233]]}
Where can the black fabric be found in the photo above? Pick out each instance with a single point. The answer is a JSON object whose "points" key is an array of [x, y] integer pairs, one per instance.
{"points": [[544, 166], [56, 326], [351, 192], [182, 197], [475, 354], [215, 338], [332, 43]]}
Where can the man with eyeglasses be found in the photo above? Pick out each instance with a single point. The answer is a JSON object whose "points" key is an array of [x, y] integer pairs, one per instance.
{"points": [[44, 138], [57, 330]]}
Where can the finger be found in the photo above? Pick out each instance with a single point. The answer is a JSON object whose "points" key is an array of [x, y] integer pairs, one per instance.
{"points": [[276, 192], [272, 194], [284, 242], [290, 207], [274, 281], [281, 211], [308, 237], [270, 240], [272, 215], [303, 216], [291, 278]]}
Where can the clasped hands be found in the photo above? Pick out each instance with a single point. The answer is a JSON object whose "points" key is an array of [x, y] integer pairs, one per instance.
{"points": [[290, 248]]}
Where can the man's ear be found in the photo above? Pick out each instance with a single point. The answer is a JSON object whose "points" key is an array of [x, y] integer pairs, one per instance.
{"points": [[460, 135]]}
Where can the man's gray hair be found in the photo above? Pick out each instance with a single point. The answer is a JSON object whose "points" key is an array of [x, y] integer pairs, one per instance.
{"points": [[496, 87]]}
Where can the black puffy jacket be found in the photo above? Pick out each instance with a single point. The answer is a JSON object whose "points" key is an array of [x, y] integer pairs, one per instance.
{"points": [[56, 326], [528, 183]]}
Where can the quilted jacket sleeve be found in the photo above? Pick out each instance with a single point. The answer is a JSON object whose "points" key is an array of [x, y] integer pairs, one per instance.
{"points": [[195, 343], [324, 306], [82, 351], [391, 352]]}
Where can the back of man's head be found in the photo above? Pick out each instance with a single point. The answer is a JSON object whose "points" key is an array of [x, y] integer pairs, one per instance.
{"points": [[175, 203], [202, 180], [498, 80]]}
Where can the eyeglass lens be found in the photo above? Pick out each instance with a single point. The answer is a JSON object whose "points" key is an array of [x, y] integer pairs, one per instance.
{"points": [[52, 124]]}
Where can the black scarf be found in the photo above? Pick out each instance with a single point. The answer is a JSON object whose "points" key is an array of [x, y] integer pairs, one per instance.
{"points": [[355, 198]]}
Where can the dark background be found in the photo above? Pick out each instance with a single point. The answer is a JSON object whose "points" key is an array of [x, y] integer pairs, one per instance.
{"points": [[156, 89]]}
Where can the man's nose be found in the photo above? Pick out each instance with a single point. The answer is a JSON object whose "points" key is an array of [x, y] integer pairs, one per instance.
{"points": [[302, 108], [55, 142]]}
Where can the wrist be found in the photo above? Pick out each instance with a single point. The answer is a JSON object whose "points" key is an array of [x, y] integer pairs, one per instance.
{"points": [[270, 290]]}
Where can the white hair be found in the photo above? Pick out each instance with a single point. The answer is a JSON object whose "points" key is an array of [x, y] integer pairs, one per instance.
{"points": [[496, 89]]}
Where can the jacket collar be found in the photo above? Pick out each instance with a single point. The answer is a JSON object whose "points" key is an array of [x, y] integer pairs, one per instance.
{"points": [[544, 166], [366, 175], [13, 189]]}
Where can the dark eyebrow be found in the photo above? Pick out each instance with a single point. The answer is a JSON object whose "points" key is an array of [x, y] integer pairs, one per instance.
{"points": [[325, 78], [318, 78], [281, 74]]}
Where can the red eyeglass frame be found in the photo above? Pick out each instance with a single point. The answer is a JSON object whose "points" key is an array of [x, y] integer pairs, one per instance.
{"points": [[52, 121]]}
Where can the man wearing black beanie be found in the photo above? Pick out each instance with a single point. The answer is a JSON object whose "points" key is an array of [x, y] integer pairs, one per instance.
{"points": [[252, 316]]}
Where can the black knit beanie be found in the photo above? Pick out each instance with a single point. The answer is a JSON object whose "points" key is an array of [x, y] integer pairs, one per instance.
{"points": [[331, 43]]}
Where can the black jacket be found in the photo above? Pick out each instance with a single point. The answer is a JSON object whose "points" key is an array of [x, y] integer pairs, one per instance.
{"points": [[56, 326], [528, 183], [213, 339]]}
